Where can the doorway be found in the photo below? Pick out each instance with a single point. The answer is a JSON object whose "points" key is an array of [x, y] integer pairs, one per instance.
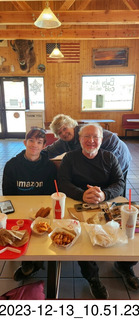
{"points": [[18, 94]]}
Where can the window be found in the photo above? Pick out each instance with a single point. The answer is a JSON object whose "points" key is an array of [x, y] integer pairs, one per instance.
{"points": [[108, 92]]}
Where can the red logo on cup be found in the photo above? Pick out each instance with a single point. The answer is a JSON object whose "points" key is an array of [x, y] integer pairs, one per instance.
{"points": [[57, 210]]}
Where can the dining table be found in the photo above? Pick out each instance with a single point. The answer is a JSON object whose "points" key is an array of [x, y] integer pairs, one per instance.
{"points": [[41, 248]]}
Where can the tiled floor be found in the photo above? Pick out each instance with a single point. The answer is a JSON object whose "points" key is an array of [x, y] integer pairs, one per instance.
{"points": [[72, 285]]}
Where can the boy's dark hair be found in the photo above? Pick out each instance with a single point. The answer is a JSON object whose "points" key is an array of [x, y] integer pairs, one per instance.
{"points": [[37, 133]]}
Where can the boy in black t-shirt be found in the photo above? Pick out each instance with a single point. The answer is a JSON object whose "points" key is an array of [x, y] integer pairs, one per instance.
{"points": [[30, 173]]}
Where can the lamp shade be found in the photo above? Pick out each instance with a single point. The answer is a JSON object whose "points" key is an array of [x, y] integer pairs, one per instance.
{"points": [[47, 19], [56, 53]]}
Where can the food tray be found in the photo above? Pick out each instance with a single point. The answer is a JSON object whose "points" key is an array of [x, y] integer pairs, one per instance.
{"points": [[8, 255], [83, 216]]}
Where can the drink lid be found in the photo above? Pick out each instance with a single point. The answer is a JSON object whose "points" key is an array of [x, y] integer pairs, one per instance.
{"points": [[127, 210]]}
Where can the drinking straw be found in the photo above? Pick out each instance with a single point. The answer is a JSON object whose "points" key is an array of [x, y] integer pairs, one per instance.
{"points": [[129, 199], [56, 187]]}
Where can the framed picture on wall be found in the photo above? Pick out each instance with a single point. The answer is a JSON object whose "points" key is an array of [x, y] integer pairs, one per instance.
{"points": [[110, 57]]}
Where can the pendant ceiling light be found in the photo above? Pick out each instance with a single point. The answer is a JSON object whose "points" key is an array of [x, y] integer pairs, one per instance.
{"points": [[56, 53], [47, 19]]}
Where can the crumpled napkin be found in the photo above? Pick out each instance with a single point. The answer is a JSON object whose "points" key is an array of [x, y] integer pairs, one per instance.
{"points": [[106, 235]]}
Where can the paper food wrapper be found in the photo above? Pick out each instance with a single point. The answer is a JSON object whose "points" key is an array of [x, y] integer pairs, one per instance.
{"points": [[69, 226], [106, 235], [14, 238]]}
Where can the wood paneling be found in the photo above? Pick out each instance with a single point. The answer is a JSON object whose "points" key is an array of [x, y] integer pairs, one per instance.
{"points": [[68, 99], [63, 80]]}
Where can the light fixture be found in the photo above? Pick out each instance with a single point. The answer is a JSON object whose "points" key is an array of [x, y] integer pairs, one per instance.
{"points": [[47, 19], [56, 53]]}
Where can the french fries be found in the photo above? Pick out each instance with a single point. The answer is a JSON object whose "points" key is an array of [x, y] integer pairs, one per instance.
{"points": [[43, 226]]}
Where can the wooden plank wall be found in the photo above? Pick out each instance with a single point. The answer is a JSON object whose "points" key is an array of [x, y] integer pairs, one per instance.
{"points": [[63, 80]]}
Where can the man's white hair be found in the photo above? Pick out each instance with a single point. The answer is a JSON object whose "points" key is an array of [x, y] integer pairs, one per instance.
{"points": [[94, 125]]}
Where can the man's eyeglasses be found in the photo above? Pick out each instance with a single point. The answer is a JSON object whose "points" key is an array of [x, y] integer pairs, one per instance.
{"points": [[89, 136]]}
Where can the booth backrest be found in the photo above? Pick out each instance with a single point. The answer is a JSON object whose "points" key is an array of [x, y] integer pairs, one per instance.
{"points": [[50, 138], [130, 125]]}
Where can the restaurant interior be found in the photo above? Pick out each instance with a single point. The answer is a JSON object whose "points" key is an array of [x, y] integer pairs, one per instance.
{"points": [[95, 78]]}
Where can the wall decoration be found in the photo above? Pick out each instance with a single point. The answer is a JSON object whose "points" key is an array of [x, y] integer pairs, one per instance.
{"points": [[110, 57], [3, 43], [25, 53], [62, 84], [71, 52], [2, 59], [12, 68], [35, 87], [41, 68]]}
